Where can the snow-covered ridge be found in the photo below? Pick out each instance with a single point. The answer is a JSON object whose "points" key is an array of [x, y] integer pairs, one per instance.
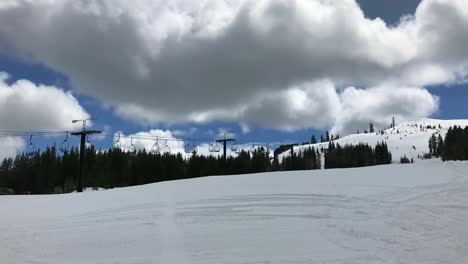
{"points": [[408, 138]]}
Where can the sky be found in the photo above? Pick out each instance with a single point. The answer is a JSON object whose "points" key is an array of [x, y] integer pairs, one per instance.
{"points": [[273, 71]]}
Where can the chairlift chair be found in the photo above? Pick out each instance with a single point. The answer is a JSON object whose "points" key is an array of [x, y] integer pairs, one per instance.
{"points": [[117, 144], [88, 143], [191, 149], [188, 148], [132, 148], [238, 150], [156, 149], [211, 147], [31, 148], [64, 146], [214, 147], [167, 149], [234, 147]]}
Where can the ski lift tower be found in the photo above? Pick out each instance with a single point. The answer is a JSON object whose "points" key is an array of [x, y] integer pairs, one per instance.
{"points": [[83, 133], [224, 138]]}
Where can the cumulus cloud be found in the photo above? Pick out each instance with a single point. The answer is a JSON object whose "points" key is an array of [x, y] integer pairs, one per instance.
{"points": [[301, 106], [245, 127], [253, 61], [380, 104], [25, 106], [9, 146]]}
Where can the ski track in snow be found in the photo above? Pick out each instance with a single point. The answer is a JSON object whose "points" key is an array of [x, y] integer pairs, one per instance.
{"points": [[388, 214]]}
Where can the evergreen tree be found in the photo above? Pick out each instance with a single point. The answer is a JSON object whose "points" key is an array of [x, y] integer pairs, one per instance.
{"points": [[440, 146], [404, 160], [313, 140], [433, 145], [356, 155], [455, 144]]}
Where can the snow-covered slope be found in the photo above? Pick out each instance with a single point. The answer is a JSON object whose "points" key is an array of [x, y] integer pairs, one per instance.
{"points": [[385, 214], [406, 139]]}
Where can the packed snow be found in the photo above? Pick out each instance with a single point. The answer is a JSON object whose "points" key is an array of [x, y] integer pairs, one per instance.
{"points": [[413, 213], [410, 138]]}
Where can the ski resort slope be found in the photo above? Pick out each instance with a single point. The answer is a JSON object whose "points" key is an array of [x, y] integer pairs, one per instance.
{"points": [[387, 214], [406, 139]]}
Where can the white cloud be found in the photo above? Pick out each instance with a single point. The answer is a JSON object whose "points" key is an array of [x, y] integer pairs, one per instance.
{"points": [[245, 127], [252, 61], [25, 106], [9, 146], [378, 105], [301, 106]]}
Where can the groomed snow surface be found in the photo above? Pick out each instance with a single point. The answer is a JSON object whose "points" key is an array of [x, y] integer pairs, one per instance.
{"points": [[415, 213]]}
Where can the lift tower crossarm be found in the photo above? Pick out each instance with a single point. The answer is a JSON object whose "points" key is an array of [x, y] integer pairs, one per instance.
{"points": [[225, 139]]}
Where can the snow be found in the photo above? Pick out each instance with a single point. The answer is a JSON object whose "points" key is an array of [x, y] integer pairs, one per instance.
{"points": [[414, 213], [406, 139]]}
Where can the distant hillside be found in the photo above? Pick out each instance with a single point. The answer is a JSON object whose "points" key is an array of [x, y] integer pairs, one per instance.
{"points": [[408, 138]]}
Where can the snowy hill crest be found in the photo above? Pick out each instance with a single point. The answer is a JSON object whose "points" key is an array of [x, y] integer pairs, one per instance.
{"points": [[408, 138]]}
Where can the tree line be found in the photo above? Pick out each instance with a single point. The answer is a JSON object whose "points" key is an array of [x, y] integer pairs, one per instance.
{"points": [[49, 172], [360, 155], [453, 147]]}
